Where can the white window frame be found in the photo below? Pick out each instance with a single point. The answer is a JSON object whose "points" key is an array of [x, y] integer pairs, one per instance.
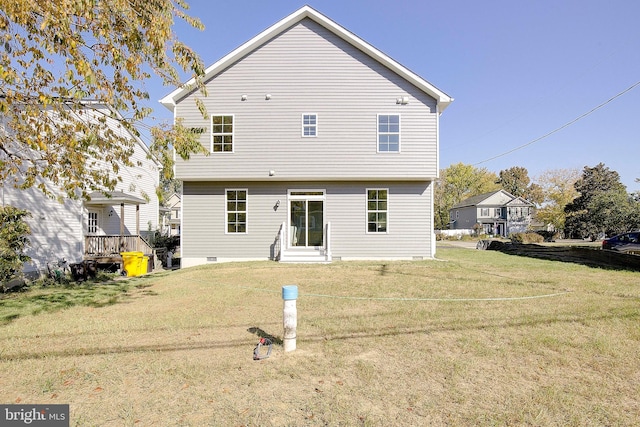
{"points": [[94, 227], [484, 212], [306, 126], [367, 210], [223, 134], [227, 211], [378, 133]]}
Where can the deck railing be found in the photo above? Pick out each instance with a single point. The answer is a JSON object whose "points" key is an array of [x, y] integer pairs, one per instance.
{"points": [[106, 246]]}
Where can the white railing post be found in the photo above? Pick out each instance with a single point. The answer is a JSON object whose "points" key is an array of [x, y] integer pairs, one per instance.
{"points": [[328, 242], [283, 236]]}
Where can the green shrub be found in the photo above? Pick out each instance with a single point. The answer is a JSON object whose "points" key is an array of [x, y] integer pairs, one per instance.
{"points": [[13, 241], [526, 238]]}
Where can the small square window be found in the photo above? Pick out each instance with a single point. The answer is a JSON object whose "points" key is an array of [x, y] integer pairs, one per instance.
{"points": [[309, 125]]}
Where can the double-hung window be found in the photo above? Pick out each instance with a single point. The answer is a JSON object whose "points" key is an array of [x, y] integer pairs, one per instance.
{"points": [[309, 125], [236, 211], [388, 133], [377, 210], [222, 134]]}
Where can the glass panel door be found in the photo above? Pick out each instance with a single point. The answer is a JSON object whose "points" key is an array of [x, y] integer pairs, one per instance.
{"points": [[306, 226], [298, 223], [315, 229]]}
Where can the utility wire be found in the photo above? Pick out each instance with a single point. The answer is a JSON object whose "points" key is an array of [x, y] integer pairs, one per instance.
{"points": [[633, 86]]}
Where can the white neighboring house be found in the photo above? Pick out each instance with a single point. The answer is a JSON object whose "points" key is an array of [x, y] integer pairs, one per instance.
{"points": [[170, 218], [321, 148], [99, 228]]}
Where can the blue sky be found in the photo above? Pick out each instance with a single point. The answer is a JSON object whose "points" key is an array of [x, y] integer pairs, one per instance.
{"points": [[517, 69]]}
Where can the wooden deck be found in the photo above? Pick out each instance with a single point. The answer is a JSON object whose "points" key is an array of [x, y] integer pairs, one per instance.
{"points": [[110, 247]]}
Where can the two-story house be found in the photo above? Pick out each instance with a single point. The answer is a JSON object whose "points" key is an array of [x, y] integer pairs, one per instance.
{"points": [[497, 213], [321, 147], [100, 228], [170, 215]]}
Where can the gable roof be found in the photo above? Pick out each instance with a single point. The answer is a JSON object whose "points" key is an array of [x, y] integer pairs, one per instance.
{"points": [[519, 201], [443, 100]]}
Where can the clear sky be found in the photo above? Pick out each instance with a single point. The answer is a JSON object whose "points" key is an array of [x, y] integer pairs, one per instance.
{"points": [[517, 69]]}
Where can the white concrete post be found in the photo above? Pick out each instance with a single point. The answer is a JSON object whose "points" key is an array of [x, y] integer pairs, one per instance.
{"points": [[290, 316]]}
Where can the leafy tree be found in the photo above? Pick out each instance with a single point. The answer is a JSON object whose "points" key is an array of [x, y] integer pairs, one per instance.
{"points": [[558, 191], [584, 218], [54, 55], [14, 232], [614, 212], [458, 182], [516, 181]]}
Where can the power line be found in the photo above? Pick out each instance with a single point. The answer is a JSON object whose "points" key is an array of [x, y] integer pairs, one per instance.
{"points": [[561, 127]]}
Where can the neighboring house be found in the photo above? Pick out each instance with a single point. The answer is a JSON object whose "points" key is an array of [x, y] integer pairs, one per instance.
{"points": [[497, 213], [321, 147], [171, 215], [99, 228]]}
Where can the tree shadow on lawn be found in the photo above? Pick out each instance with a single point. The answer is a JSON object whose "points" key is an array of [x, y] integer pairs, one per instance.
{"points": [[51, 298], [630, 313], [590, 257]]}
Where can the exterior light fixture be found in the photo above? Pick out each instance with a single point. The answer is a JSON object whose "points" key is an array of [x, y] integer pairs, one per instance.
{"points": [[243, 97]]}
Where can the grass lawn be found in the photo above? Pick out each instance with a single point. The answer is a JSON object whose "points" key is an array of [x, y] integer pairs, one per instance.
{"points": [[473, 338]]}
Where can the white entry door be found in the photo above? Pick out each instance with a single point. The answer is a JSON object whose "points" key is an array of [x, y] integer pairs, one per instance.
{"points": [[306, 219], [93, 223]]}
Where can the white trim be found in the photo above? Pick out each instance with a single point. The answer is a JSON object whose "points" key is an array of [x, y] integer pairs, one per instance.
{"points": [[441, 98], [438, 112], [233, 134], [366, 210], [98, 225], [306, 198], [388, 133], [246, 212], [314, 126]]}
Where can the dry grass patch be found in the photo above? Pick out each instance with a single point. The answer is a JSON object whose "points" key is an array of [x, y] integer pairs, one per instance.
{"points": [[458, 341]]}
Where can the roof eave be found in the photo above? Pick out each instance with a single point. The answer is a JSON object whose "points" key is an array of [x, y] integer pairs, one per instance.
{"points": [[441, 98]]}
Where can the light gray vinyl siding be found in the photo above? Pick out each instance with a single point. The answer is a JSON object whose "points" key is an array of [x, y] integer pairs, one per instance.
{"points": [[203, 232], [309, 69]]}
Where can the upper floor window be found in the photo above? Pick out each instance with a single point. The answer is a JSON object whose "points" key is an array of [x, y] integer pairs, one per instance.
{"points": [[484, 212], [498, 212], [236, 211], [377, 210], [309, 125], [388, 133], [221, 134]]}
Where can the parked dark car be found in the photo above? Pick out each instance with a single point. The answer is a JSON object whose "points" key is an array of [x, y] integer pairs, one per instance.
{"points": [[626, 242]]}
